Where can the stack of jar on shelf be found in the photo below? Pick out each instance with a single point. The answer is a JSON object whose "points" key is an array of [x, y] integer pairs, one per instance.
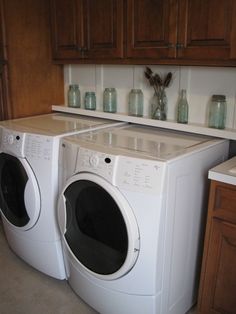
{"points": [[216, 117], [109, 100]]}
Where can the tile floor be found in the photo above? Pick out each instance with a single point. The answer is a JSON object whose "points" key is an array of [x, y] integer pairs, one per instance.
{"points": [[23, 290]]}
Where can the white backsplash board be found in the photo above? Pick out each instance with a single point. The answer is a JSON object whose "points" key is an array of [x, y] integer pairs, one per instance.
{"points": [[200, 83]]}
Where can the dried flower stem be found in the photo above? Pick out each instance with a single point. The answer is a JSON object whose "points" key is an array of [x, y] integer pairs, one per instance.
{"points": [[156, 81]]}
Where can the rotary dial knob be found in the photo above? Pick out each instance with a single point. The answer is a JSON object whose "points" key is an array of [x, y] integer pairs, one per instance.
{"points": [[94, 160], [10, 139]]}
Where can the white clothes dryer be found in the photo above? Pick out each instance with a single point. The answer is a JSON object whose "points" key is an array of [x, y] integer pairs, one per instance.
{"points": [[130, 215], [29, 185]]}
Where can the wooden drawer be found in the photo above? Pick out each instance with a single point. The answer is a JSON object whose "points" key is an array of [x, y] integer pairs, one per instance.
{"points": [[222, 203]]}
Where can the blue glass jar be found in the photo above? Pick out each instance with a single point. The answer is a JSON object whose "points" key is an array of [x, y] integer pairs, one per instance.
{"points": [[110, 100]]}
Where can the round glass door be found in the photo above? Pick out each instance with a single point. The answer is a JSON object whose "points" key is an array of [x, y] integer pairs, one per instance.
{"points": [[100, 228], [19, 192]]}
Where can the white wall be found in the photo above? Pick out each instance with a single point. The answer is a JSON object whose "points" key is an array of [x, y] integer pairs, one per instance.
{"points": [[200, 83]]}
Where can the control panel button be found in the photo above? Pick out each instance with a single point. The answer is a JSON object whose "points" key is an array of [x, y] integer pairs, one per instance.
{"points": [[107, 160]]}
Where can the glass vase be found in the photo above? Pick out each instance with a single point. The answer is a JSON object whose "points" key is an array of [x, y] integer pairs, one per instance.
{"points": [[159, 105]]}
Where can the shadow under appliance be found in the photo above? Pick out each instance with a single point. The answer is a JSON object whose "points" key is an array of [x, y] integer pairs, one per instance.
{"points": [[130, 214]]}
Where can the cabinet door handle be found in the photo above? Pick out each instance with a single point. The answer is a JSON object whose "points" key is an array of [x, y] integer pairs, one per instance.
{"points": [[79, 49], [170, 45], [179, 46], [84, 49]]}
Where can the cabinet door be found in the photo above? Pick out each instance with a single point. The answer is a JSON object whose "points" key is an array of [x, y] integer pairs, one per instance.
{"points": [[151, 28], [207, 29], [5, 109], [219, 282], [87, 29], [103, 29], [66, 29], [2, 33]]}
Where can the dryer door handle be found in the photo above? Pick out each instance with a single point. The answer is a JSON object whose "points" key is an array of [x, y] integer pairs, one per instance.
{"points": [[32, 201], [62, 214]]}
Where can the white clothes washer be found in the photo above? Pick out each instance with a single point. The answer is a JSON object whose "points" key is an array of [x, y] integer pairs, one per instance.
{"points": [[29, 185], [130, 214]]}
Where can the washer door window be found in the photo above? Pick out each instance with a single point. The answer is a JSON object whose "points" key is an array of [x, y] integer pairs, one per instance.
{"points": [[101, 230], [19, 192]]}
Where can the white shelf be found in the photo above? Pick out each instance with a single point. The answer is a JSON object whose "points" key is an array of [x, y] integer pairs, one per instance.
{"points": [[191, 128]]}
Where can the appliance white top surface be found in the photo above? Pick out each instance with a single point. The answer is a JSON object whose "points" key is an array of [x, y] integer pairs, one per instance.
{"points": [[225, 172], [54, 124], [143, 142]]}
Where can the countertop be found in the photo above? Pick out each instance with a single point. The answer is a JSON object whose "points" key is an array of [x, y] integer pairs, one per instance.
{"points": [[225, 172]]}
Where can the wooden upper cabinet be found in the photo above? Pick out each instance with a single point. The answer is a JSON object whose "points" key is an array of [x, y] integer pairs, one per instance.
{"points": [[66, 25], [181, 29], [151, 28], [199, 32], [207, 29], [103, 28], [87, 29]]}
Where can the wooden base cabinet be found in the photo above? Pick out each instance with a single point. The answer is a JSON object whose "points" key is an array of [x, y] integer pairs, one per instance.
{"points": [[218, 277]]}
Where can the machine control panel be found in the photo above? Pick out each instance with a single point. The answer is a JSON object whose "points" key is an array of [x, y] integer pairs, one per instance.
{"points": [[13, 142], [140, 175], [97, 162], [38, 147], [133, 174]]}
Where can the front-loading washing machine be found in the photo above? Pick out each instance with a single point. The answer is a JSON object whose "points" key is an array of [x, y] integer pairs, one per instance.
{"points": [[130, 214], [29, 185]]}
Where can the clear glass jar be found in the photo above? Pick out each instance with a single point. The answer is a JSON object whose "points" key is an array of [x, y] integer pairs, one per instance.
{"points": [[90, 101], [110, 100], [217, 112], [182, 110], [136, 103], [74, 96]]}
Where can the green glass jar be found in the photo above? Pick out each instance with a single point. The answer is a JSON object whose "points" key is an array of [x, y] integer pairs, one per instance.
{"points": [[217, 112], [136, 103], [110, 100], [182, 110], [74, 96], [90, 101]]}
